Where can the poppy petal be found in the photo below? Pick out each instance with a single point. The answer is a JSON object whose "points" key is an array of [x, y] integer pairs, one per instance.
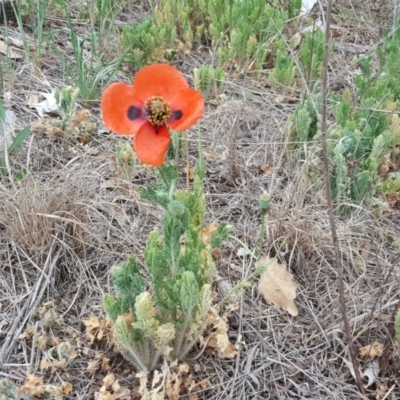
{"points": [[158, 80], [121, 109], [188, 107], [151, 144]]}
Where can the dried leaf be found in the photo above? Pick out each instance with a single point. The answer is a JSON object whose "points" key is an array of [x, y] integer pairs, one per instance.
{"points": [[241, 252], [116, 387], [206, 233], [216, 336], [371, 373], [92, 366], [306, 6], [105, 363], [27, 333], [33, 385], [266, 169], [46, 106], [190, 171], [109, 380], [277, 286], [55, 365], [184, 368], [123, 393], [372, 350], [204, 383], [10, 52], [67, 388], [97, 328]]}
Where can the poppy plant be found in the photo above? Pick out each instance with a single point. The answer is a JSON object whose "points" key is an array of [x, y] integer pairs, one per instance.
{"points": [[159, 99]]}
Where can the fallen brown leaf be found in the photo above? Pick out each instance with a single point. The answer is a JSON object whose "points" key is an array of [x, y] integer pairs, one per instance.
{"points": [[109, 380], [372, 350], [97, 328], [33, 385], [277, 286], [216, 336], [206, 233], [266, 169]]}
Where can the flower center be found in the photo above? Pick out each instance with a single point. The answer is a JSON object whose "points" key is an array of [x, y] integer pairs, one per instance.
{"points": [[157, 110]]}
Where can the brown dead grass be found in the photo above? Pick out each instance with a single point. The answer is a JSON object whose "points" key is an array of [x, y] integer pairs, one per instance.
{"points": [[71, 219]]}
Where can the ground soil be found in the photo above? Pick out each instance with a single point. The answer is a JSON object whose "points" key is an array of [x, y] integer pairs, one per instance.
{"points": [[72, 217]]}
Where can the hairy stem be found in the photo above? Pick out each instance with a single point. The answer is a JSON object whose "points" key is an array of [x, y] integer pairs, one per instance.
{"points": [[338, 255], [262, 231]]}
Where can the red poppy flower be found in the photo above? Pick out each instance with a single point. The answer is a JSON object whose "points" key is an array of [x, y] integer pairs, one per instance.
{"points": [[159, 98]]}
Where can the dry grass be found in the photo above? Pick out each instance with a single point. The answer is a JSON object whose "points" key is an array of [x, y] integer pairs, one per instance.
{"points": [[71, 219]]}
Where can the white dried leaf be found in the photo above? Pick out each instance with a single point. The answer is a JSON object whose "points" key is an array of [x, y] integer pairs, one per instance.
{"points": [[7, 129], [241, 252], [306, 6], [46, 106], [371, 374]]}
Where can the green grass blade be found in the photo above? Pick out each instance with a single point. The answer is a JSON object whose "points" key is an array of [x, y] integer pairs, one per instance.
{"points": [[17, 142]]}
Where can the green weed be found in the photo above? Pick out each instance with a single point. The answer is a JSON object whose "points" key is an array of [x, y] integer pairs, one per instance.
{"points": [[10, 149], [88, 72], [366, 131]]}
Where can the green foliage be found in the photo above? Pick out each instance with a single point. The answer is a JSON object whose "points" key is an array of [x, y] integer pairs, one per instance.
{"points": [[239, 31], [294, 7], [173, 311], [391, 185], [88, 72], [311, 54], [128, 284], [397, 326], [282, 76], [125, 160], [66, 99], [306, 126], [15, 145], [366, 131], [8, 390], [244, 30], [208, 78], [148, 42], [33, 13]]}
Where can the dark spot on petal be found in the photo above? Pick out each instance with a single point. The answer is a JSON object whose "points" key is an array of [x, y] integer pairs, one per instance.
{"points": [[133, 113], [176, 115]]}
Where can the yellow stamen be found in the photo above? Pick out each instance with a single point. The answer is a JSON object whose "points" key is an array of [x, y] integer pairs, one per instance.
{"points": [[157, 110]]}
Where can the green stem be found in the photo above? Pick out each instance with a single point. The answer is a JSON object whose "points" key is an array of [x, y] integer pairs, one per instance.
{"points": [[242, 284], [243, 245], [178, 343], [262, 231]]}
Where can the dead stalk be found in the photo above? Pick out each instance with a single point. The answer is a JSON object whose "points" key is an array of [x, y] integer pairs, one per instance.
{"points": [[335, 241]]}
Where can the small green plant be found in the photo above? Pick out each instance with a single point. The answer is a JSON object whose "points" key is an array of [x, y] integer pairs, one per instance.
{"points": [[282, 76], [208, 79], [8, 390], [240, 32], [148, 42], [66, 99], [365, 135], [10, 149], [165, 318], [36, 11], [103, 14], [125, 160], [397, 326], [311, 53], [88, 72], [244, 31]]}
